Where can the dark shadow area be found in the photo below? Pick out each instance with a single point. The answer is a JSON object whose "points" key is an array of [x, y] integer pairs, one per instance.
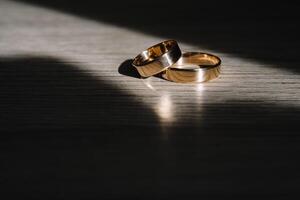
{"points": [[261, 30], [67, 135], [61, 128], [57, 95], [127, 69]]}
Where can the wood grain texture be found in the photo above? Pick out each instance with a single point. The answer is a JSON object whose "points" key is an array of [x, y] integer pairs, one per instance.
{"points": [[77, 122]]}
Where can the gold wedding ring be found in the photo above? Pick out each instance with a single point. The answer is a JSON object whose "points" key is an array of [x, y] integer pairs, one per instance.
{"points": [[194, 67], [157, 58]]}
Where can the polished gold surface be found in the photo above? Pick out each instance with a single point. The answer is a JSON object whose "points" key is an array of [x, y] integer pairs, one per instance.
{"points": [[194, 67], [157, 58]]}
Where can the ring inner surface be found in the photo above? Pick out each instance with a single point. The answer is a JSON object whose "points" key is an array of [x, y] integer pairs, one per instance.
{"points": [[153, 52], [194, 61]]}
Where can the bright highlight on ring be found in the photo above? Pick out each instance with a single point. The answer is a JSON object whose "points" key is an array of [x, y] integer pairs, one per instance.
{"points": [[194, 67]]}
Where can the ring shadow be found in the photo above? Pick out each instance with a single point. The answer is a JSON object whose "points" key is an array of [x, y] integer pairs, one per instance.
{"points": [[126, 68]]}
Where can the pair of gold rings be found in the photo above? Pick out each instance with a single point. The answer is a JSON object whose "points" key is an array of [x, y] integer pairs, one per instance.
{"points": [[167, 58]]}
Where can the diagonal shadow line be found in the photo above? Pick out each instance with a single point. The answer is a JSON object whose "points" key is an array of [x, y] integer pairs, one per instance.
{"points": [[65, 134], [53, 116], [57, 95], [266, 32]]}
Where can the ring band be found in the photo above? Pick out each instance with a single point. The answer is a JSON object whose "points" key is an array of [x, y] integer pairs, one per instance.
{"points": [[157, 58], [194, 67]]}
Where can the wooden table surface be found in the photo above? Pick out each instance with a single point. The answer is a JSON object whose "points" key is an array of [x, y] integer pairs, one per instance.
{"points": [[77, 122]]}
